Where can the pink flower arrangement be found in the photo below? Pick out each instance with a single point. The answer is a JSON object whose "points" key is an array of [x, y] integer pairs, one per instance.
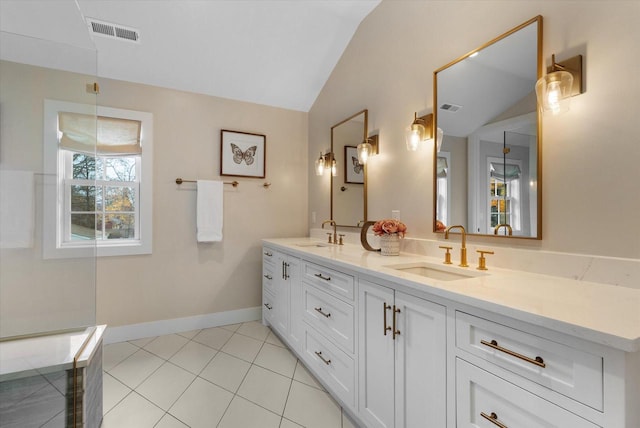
{"points": [[389, 226]]}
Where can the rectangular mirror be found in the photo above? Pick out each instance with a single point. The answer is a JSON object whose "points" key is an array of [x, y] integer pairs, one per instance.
{"points": [[487, 169], [349, 184]]}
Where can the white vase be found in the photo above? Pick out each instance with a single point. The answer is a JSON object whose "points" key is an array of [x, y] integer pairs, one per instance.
{"points": [[390, 244]]}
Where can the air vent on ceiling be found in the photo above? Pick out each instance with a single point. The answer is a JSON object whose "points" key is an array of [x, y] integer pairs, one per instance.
{"points": [[450, 107], [114, 31]]}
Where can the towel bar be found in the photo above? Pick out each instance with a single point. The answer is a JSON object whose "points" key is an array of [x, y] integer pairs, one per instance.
{"points": [[180, 181]]}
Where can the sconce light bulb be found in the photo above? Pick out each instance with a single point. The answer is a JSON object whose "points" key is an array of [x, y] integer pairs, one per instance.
{"points": [[364, 151], [334, 168], [553, 97], [320, 165]]}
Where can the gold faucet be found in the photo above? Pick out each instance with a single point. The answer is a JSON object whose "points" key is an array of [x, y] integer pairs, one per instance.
{"points": [[509, 230], [463, 249], [335, 232]]}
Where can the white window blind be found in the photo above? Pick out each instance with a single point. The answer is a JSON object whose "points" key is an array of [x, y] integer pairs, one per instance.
{"points": [[115, 136]]}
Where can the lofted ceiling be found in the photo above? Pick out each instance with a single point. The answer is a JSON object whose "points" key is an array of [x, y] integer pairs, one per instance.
{"points": [[273, 52]]}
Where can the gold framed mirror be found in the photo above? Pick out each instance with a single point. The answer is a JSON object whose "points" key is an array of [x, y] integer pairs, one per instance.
{"points": [[349, 184], [487, 167]]}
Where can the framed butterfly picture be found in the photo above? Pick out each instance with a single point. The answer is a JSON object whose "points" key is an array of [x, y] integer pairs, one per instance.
{"points": [[353, 170], [242, 154]]}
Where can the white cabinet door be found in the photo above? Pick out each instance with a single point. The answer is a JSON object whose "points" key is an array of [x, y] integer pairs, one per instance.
{"points": [[376, 356], [420, 363]]}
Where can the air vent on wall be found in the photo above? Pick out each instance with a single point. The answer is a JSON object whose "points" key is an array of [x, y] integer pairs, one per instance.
{"points": [[114, 31], [450, 107]]}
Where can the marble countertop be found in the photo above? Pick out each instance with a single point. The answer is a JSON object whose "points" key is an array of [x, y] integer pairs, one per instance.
{"points": [[48, 353], [601, 313]]}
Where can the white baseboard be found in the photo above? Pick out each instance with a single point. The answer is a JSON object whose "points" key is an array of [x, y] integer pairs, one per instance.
{"points": [[177, 325]]}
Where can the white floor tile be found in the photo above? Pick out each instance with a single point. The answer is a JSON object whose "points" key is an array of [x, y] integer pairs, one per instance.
{"points": [[165, 385], [231, 327], [115, 353], [140, 343], [202, 404], [193, 357], [133, 412], [274, 340], [189, 334], [303, 375], [243, 347], [213, 337], [226, 371], [277, 359], [312, 408], [166, 346], [113, 391], [169, 421], [266, 388], [255, 330], [136, 368], [244, 414], [286, 423]]}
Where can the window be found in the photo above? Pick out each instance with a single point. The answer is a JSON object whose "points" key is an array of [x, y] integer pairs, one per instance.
{"points": [[504, 193], [443, 185], [98, 163]]}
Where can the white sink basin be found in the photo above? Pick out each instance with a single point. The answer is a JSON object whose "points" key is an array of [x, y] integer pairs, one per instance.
{"points": [[312, 244], [437, 272]]}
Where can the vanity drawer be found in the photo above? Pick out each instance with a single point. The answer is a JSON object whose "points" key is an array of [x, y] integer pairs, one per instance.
{"points": [[337, 283], [334, 367], [268, 256], [482, 396], [268, 279], [331, 316], [268, 307], [568, 371]]}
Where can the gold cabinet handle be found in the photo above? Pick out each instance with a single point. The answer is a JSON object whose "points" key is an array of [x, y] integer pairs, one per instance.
{"points": [[268, 306], [538, 361], [319, 354], [384, 311], [268, 254], [493, 418], [322, 313], [269, 277], [326, 278], [396, 332], [286, 270]]}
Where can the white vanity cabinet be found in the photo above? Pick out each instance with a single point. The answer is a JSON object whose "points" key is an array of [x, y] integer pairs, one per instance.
{"points": [[280, 292], [398, 351], [402, 359]]}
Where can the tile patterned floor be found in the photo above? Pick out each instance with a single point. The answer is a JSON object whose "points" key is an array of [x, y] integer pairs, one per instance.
{"points": [[236, 376]]}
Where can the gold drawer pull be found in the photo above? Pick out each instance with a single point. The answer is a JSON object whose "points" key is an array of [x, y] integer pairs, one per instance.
{"points": [[268, 254], [268, 306], [269, 277], [319, 354], [322, 313], [396, 332], [538, 361], [326, 278], [493, 418]]}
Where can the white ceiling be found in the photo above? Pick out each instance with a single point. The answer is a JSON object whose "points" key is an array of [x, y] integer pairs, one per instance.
{"points": [[273, 52]]}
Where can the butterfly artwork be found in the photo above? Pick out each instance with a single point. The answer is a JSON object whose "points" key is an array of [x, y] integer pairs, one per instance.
{"points": [[247, 155], [357, 166], [353, 169], [242, 154]]}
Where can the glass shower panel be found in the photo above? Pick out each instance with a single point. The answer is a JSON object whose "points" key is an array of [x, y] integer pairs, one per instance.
{"points": [[38, 293]]}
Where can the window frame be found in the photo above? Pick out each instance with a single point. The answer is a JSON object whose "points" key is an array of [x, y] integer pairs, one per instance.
{"points": [[55, 188]]}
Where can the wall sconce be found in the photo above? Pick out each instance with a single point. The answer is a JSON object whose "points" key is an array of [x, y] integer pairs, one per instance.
{"points": [[562, 81], [421, 129], [367, 148], [326, 161]]}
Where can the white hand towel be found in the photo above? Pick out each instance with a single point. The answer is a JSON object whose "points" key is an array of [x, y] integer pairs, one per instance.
{"points": [[209, 211], [16, 209]]}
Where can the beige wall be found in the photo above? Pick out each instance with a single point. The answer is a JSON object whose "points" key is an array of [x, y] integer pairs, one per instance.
{"points": [[181, 278], [590, 157]]}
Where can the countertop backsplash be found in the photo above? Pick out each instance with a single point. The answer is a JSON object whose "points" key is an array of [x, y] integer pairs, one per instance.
{"points": [[607, 270]]}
